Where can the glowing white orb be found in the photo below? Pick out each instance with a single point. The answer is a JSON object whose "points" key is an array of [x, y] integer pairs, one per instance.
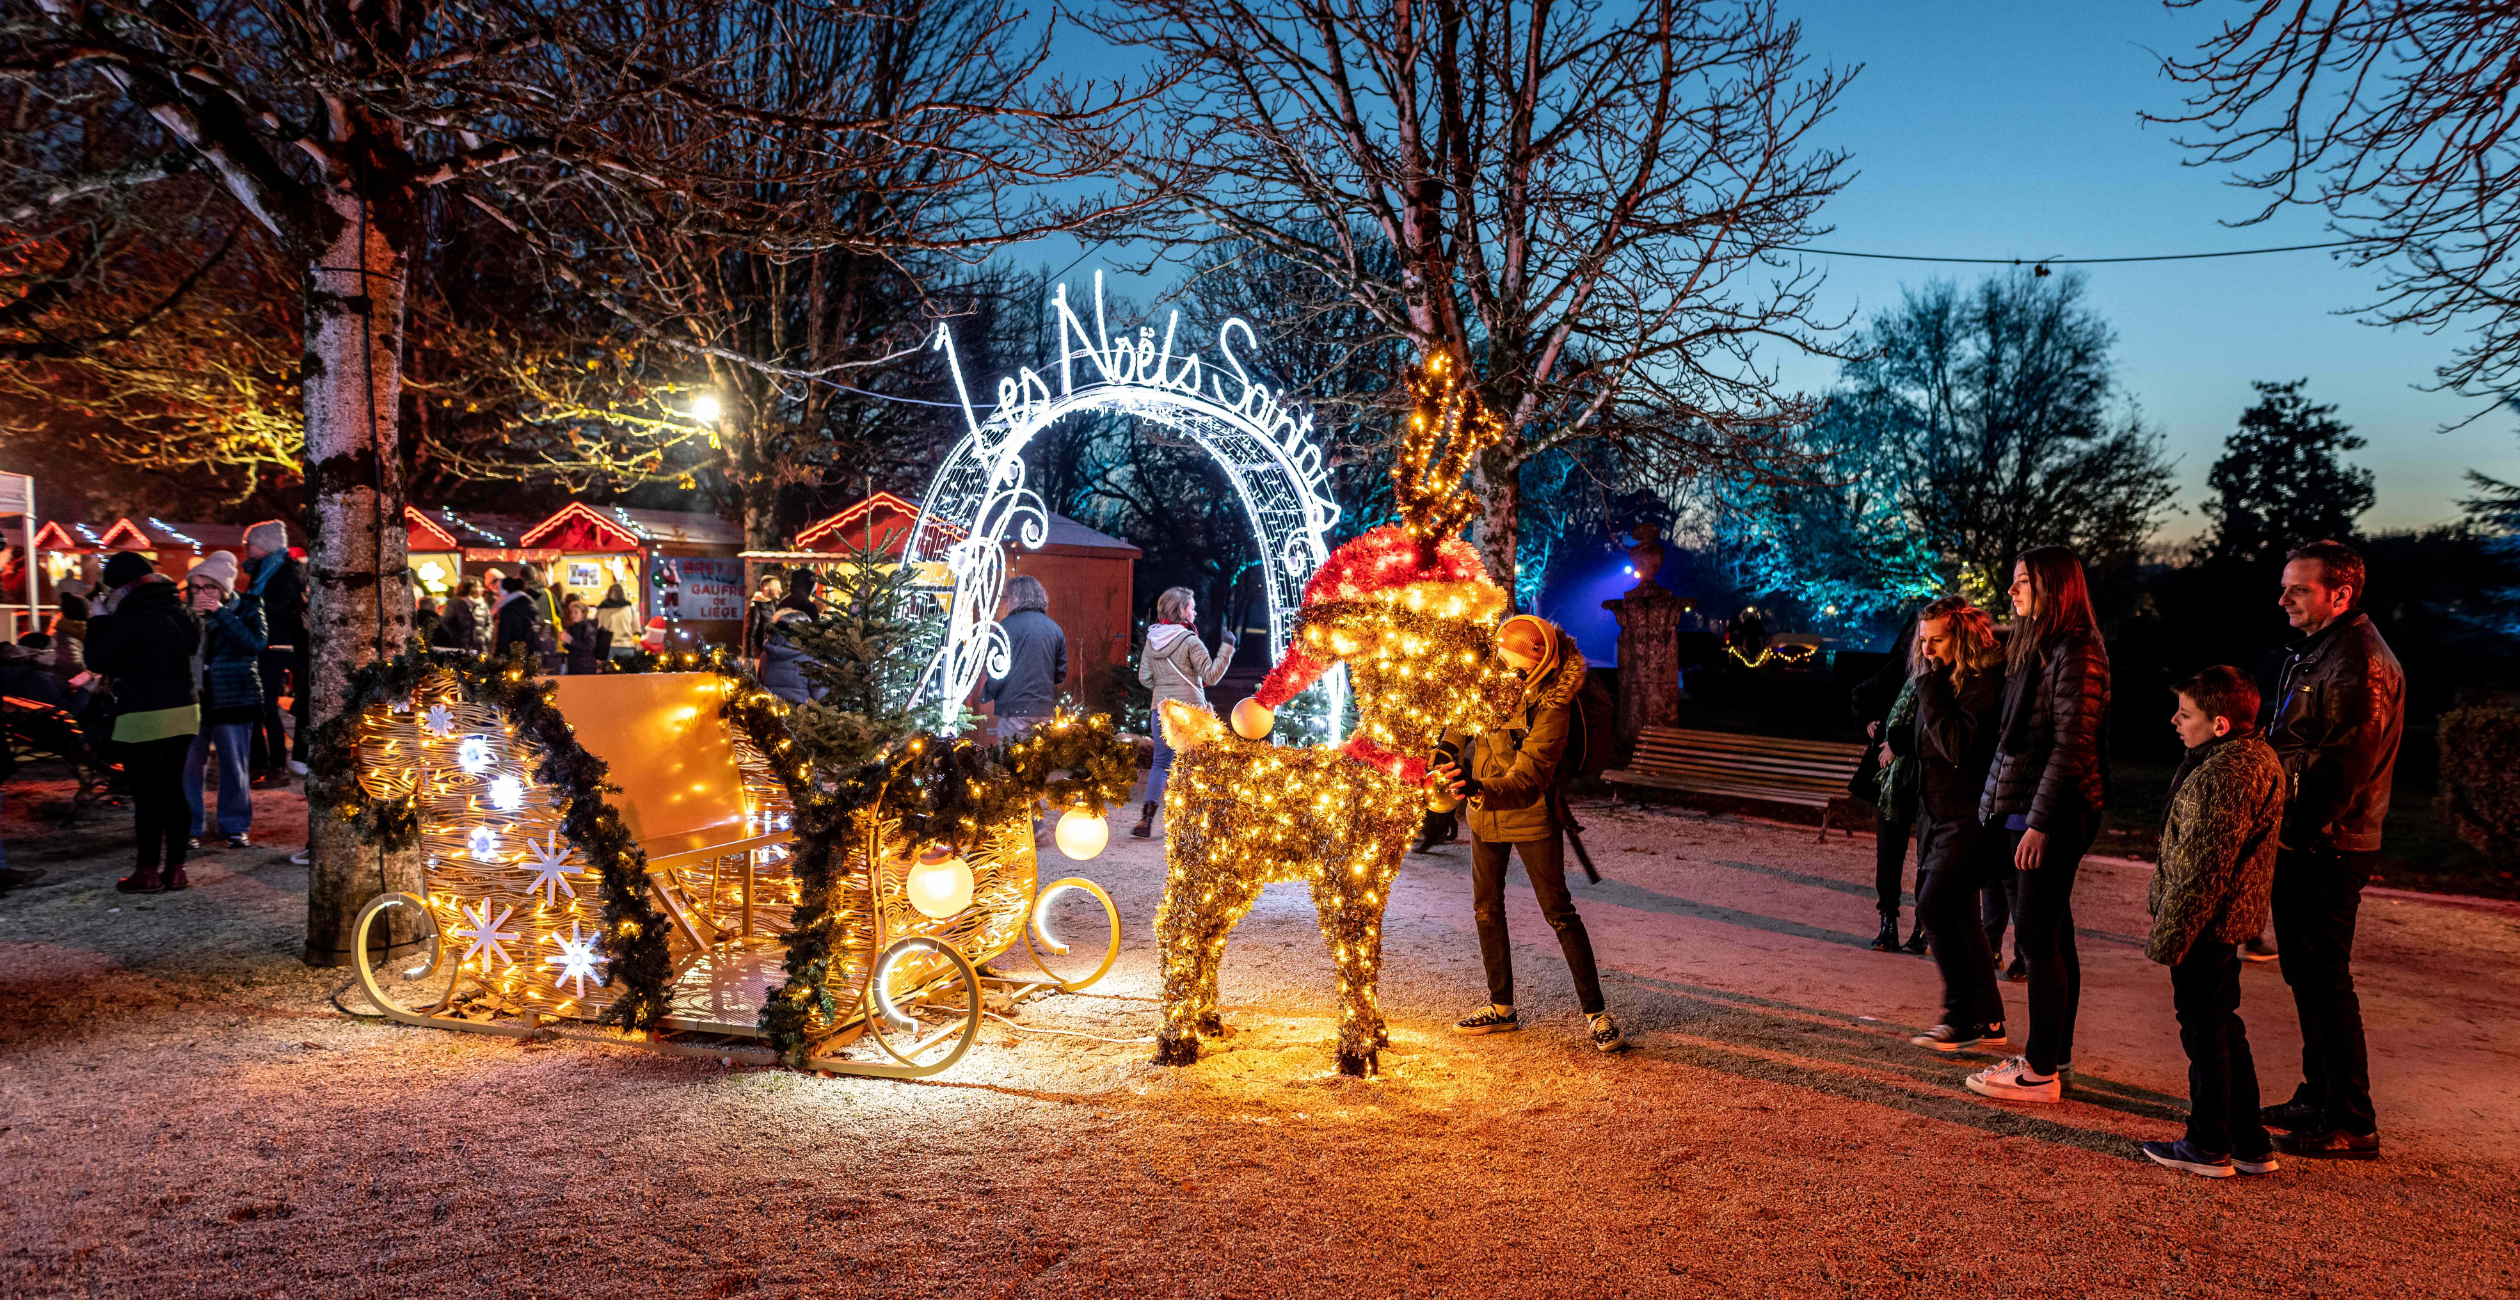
{"points": [[1082, 834], [705, 409], [939, 884], [473, 755], [507, 794]]}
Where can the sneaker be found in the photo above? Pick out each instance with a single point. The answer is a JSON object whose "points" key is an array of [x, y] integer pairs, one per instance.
{"points": [[2183, 1155], [1488, 1020], [2254, 1165], [303, 857], [239, 842], [1605, 1033], [1915, 946], [2011, 1081], [2019, 971], [296, 768], [1959, 1038], [2290, 1117], [2258, 949], [2329, 1144], [193, 844]]}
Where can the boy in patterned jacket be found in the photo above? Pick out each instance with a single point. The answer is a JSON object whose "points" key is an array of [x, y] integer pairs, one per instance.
{"points": [[2208, 895]]}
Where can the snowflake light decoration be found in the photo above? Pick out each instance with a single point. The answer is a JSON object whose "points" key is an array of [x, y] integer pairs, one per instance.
{"points": [[484, 844], [507, 794], [473, 755], [550, 861], [577, 960], [440, 721], [485, 933]]}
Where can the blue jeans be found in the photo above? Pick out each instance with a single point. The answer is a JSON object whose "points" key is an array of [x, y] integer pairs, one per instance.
{"points": [[1157, 775], [234, 740]]}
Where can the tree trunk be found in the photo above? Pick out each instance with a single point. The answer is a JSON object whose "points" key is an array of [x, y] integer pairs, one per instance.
{"points": [[1499, 485], [360, 607]]}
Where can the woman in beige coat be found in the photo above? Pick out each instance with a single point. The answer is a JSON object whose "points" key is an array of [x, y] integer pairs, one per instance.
{"points": [[1174, 666]]}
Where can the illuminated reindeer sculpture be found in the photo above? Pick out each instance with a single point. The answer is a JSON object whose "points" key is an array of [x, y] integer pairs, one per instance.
{"points": [[1411, 611]]}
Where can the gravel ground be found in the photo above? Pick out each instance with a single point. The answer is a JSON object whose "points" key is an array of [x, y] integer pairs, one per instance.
{"points": [[184, 1110]]}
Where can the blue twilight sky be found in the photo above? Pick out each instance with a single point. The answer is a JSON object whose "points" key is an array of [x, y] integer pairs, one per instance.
{"points": [[2001, 130]]}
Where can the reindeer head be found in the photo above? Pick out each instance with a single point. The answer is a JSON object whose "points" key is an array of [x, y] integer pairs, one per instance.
{"points": [[1409, 607]]}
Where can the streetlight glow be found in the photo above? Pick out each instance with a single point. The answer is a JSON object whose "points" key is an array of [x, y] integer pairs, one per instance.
{"points": [[705, 409]]}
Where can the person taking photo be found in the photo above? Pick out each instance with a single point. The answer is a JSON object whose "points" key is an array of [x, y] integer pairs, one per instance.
{"points": [[1513, 788]]}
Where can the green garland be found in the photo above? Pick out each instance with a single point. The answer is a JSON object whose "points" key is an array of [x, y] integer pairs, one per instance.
{"points": [[937, 791], [639, 958]]}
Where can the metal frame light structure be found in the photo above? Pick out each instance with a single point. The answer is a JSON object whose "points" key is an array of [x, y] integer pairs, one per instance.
{"points": [[979, 499]]}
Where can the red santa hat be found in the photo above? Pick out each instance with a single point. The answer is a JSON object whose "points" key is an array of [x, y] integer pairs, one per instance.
{"points": [[1386, 567]]}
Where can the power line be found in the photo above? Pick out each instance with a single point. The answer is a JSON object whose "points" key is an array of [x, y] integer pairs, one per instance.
{"points": [[2074, 261]]}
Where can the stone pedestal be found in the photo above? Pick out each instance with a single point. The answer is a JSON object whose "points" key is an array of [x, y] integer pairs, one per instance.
{"points": [[1649, 660]]}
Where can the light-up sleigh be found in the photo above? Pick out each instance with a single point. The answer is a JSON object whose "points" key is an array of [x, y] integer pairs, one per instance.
{"points": [[550, 898]]}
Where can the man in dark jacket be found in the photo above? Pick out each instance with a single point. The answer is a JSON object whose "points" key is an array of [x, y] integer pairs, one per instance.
{"points": [[145, 643], [1036, 652], [278, 580], [2340, 704]]}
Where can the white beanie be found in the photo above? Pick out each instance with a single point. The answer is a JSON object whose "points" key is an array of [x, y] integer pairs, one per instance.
{"points": [[270, 535], [218, 567]]}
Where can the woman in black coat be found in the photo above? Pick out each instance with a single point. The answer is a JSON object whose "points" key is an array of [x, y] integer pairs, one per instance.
{"points": [[2046, 790], [145, 644], [1959, 678]]}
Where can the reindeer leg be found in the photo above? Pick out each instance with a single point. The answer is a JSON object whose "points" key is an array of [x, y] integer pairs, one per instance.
{"points": [[1190, 932], [1349, 901]]}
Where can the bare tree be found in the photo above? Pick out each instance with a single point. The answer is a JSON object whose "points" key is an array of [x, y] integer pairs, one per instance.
{"points": [[330, 125], [1584, 206], [2395, 117]]}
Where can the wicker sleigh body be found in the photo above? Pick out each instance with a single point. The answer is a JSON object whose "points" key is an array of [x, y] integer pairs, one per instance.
{"points": [[521, 941]]}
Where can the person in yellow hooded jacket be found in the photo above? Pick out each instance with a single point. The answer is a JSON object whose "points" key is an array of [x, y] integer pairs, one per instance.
{"points": [[1515, 788]]}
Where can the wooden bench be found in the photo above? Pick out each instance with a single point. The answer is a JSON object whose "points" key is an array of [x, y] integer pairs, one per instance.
{"points": [[40, 730], [1727, 767]]}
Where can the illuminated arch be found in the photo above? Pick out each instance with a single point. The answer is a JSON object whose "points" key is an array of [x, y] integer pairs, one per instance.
{"points": [[979, 500]]}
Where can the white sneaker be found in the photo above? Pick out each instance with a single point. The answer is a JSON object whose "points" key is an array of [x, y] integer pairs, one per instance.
{"points": [[297, 767], [303, 857], [2010, 1081]]}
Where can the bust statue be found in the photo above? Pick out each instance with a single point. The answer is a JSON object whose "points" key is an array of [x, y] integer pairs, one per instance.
{"points": [[1646, 557]]}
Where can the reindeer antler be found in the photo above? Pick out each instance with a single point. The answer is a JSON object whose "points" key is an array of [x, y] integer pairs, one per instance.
{"points": [[1448, 426]]}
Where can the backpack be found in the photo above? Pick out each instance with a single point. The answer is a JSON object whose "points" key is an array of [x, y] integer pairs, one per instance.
{"points": [[1592, 731]]}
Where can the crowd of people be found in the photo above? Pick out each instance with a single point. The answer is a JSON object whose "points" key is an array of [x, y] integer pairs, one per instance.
{"points": [[1991, 755]]}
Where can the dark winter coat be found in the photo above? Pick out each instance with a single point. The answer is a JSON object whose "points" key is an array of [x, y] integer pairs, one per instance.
{"points": [[585, 646], [232, 641], [1037, 661], [2052, 761], [783, 661], [518, 620], [1956, 732], [1516, 768], [1873, 698], [2217, 848], [456, 629], [146, 646], [2340, 707], [283, 592], [24, 677]]}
